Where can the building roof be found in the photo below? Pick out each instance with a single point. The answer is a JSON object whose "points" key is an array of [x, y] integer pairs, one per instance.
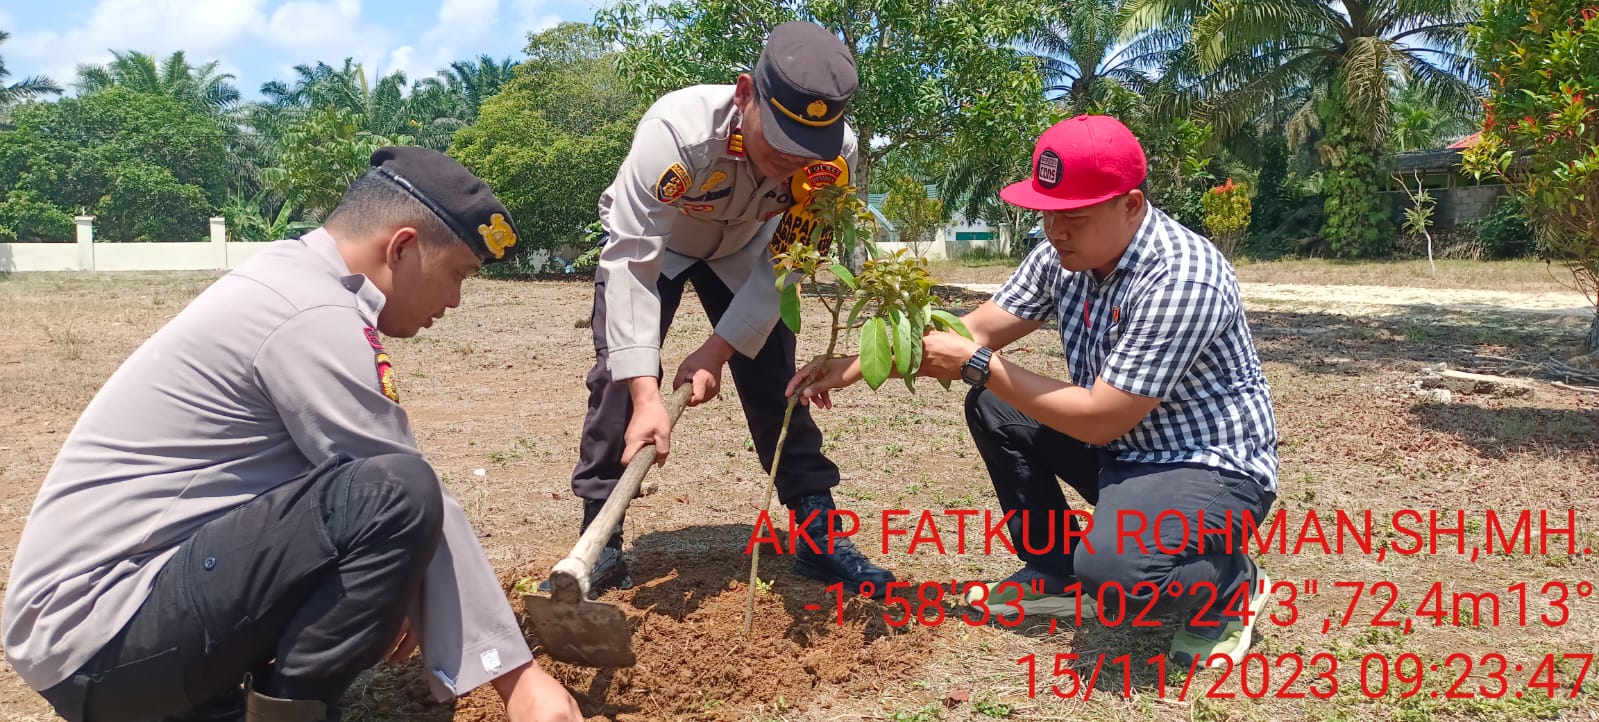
{"points": [[1428, 161]]}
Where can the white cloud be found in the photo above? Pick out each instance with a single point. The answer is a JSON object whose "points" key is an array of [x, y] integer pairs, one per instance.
{"points": [[400, 60], [260, 40], [321, 29], [462, 27], [533, 16], [205, 29]]}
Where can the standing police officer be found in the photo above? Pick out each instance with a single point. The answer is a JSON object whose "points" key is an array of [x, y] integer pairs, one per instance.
{"points": [[711, 169], [244, 500]]}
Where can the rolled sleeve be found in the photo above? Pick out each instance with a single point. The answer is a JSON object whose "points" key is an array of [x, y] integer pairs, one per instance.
{"points": [[1166, 332], [1033, 291], [638, 222]]}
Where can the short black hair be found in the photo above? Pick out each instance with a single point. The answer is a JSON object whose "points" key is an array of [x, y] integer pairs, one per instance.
{"points": [[373, 200]]}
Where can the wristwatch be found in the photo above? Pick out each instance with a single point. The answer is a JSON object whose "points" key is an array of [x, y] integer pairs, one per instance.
{"points": [[975, 371]]}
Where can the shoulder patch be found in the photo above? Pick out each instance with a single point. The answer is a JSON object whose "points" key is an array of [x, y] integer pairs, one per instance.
{"points": [[673, 183], [386, 380]]}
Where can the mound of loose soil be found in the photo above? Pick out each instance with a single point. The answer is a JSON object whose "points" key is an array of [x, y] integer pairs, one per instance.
{"points": [[694, 660]]}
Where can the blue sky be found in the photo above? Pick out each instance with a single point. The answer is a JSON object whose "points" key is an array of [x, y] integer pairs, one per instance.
{"points": [[262, 40]]}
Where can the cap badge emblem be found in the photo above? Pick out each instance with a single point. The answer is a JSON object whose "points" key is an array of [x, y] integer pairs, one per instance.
{"points": [[497, 235]]}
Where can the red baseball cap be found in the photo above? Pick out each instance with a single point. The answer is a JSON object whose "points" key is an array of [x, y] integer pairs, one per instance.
{"points": [[1079, 162]]}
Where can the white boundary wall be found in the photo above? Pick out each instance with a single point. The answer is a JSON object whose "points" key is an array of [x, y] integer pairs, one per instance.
{"points": [[86, 255]]}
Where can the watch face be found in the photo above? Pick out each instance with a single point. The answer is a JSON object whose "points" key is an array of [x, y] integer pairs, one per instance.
{"points": [[971, 375]]}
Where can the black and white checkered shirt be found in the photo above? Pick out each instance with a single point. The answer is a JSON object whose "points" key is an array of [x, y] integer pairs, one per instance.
{"points": [[1168, 323]]}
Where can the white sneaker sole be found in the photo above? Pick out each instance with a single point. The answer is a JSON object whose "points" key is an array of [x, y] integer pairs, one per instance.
{"points": [[1257, 602]]}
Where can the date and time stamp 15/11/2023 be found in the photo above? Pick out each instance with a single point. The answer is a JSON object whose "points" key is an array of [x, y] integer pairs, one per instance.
{"points": [[1398, 608]]}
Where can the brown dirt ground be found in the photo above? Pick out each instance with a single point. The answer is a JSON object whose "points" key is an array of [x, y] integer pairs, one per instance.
{"points": [[498, 387]]}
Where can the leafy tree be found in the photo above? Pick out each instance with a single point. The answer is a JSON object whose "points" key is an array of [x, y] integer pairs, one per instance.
{"points": [[551, 140], [1358, 223], [1276, 199], [924, 67], [148, 166], [916, 216], [322, 155], [27, 88], [201, 87], [986, 155], [1540, 133]]}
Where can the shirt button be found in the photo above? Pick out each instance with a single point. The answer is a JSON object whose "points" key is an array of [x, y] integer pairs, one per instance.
{"points": [[210, 563]]}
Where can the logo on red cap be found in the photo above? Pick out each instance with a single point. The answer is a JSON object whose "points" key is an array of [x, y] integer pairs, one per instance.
{"points": [[1048, 172]]}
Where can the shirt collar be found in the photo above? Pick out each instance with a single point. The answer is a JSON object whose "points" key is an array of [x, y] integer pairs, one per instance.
{"points": [[1138, 248], [368, 299]]}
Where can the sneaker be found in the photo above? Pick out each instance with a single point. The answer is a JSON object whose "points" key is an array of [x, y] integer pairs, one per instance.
{"points": [[1034, 593], [610, 569], [610, 572], [845, 563], [1231, 639]]}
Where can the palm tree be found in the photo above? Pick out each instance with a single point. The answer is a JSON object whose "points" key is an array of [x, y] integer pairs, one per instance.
{"points": [[1354, 53], [1083, 46], [473, 83], [1339, 64], [31, 87], [383, 109], [201, 87], [1420, 125]]}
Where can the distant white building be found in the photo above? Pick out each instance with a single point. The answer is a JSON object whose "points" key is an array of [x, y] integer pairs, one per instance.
{"points": [[954, 239]]}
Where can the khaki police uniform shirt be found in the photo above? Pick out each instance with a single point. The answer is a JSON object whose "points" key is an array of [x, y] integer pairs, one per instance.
{"points": [[272, 370], [686, 193]]}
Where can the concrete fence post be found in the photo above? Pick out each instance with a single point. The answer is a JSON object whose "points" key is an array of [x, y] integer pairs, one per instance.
{"points": [[85, 242], [219, 241]]}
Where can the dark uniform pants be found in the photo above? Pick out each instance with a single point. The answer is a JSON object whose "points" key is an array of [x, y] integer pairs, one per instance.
{"points": [[760, 382], [304, 587], [1135, 548]]}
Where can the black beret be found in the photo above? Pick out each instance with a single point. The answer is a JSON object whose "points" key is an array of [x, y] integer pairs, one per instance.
{"points": [[459, 198]]}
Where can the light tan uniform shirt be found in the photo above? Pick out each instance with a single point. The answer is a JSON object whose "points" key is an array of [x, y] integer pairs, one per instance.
{"points": [[687, 193], [263, 376]]}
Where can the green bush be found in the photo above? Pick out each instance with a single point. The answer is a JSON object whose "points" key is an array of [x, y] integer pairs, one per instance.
{"points": [[1504, 232], [1227, 209], [27, 219]]}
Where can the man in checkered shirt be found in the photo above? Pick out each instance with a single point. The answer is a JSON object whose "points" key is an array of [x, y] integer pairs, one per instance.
{"points": [[1166, 425]]}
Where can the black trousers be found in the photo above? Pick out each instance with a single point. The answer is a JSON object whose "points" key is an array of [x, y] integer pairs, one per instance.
{"points": [[303, 587], [1146, 529], [760, 382]]}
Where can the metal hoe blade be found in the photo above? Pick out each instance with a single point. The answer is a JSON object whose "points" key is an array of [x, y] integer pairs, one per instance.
{"points": [[571, 627]]}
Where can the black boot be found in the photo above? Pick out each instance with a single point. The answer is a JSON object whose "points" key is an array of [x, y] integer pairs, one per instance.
{"points": [[261, 708], [846, 563], [610, 570]]}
